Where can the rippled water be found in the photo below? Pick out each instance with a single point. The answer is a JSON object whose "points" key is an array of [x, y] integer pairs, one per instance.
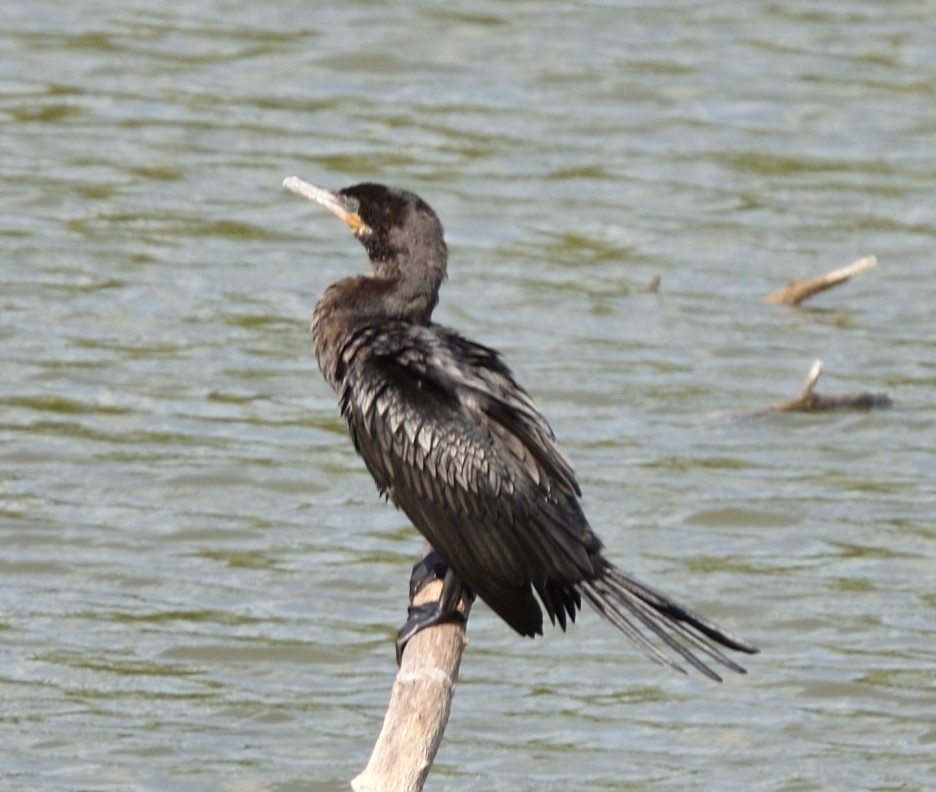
{"points": [[199, 584]]}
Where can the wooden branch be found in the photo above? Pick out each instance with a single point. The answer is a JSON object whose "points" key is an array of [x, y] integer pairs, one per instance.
{"points": [[807, 400], [419, 707], [798, 290]]}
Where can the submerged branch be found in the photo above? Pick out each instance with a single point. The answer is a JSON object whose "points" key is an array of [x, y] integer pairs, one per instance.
{"points": [[798, 289], [807, 400], [420, 703]]}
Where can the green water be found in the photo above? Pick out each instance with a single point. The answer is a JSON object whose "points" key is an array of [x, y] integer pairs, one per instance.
{"points": [[198, 585]]}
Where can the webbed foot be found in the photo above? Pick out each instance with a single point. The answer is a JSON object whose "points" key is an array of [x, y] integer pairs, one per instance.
{"points": [[431, 568]]}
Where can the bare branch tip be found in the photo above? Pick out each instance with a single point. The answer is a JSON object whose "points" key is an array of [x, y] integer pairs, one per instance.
{"points": [[815, 371], [800, 289]]}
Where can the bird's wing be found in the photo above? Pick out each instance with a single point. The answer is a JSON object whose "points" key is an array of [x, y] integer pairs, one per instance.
{"points": [[461, 448], [482, 374]]}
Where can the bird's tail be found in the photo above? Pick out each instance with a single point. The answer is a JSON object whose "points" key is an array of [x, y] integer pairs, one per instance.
{"points": [[642, 614]]}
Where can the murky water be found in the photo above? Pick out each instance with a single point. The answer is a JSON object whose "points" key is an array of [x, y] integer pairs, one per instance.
{"points": [[199, 584]]}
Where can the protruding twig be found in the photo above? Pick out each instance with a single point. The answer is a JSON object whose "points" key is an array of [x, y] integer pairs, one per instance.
{"points": [[807, 400], [419, 705], [798, 290]]}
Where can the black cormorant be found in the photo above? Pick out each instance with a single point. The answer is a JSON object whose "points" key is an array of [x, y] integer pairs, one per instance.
{"points": [[459, 446]]}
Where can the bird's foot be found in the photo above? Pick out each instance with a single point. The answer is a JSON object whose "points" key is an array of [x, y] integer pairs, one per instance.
{"points": [[431, 568], [421, 617]]}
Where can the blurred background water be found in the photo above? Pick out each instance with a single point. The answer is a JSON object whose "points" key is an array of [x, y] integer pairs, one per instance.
{"points": [[199, 584]]}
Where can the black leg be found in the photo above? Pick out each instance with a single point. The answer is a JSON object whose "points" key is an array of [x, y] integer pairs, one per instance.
{"points": [[446, 609], [432, 567]]}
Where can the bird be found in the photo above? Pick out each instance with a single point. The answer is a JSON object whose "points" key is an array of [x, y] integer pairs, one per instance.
{"points": [[453, 440]]}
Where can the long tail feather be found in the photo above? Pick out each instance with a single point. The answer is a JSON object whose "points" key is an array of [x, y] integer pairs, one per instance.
{"points": [[641, 614]]}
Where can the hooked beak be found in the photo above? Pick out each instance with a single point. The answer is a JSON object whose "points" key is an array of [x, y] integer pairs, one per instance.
{"points": [[333, 203]]}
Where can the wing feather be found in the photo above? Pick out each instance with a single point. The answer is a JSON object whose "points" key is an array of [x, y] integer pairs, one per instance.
{"points": [[462, 449]]}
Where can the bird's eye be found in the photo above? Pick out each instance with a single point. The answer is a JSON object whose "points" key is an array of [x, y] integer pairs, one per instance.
{"points": [[352, 204]]}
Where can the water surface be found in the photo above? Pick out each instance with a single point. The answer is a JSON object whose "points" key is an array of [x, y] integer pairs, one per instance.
{"points": [[200, 586]]}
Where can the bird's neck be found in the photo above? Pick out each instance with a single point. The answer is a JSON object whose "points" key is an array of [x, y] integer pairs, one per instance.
{"points": [[353, 304]]}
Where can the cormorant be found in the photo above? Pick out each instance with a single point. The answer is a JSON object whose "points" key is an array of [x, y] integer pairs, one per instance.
{"points": [[452, 439]]}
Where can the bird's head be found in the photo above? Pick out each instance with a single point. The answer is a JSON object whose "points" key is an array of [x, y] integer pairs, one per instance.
{"points": [[399, 230]]}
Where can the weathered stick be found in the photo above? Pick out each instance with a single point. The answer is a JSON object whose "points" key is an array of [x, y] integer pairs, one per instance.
{"points": [[419, 707], [798, 289], [807, 400]]}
